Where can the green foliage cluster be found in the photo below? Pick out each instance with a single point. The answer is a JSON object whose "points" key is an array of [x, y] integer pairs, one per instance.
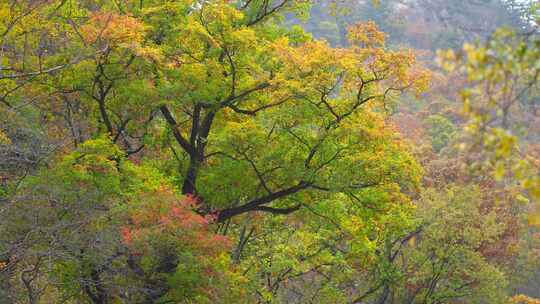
{"points": [[441, 130]]}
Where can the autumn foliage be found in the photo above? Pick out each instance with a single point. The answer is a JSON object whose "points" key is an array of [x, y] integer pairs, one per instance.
{"points": [[266, 151]]}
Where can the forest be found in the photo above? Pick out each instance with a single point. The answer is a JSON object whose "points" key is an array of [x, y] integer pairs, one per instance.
{"points": [[270, 151]]}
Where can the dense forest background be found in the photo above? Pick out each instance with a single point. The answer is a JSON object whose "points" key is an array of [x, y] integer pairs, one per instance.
{"points": [[261, 151]]}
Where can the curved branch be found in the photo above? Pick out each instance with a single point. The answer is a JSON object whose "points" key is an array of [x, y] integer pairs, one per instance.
{"points": [[259, 203], [278, 210], [174, 126]]}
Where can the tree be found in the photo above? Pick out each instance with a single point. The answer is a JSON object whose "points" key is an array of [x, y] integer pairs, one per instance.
{"points": [[224, 80], [447, 263], [243, 115], [500, 104], [95, 227], [441, 130]]}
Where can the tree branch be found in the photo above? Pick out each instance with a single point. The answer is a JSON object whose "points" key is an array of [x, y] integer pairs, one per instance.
{"points": [[255, 204], [174, 126]]}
